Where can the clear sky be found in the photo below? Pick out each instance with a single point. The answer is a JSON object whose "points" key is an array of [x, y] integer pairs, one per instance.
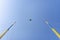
{"points": [[23, 10]]}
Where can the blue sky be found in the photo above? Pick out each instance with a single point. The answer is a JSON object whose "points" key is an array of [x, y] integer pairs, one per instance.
{"points": [[23, 10]]}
